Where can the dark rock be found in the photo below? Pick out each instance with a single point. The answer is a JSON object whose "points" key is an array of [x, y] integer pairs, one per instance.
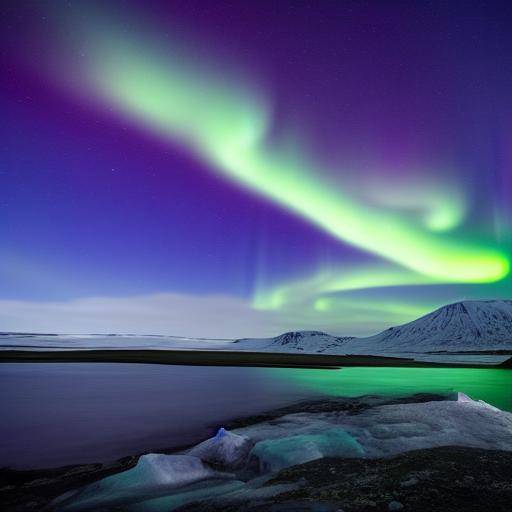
{"points": [[364, 485], [35, 489], [409, 483]]}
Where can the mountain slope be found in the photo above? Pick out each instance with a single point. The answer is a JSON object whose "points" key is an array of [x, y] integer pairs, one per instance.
{"points": [[477, 325]]}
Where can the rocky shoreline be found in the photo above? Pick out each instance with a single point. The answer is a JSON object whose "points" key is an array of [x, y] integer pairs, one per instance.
{"points": [[433, 477], [447, 479], [35, 489]]}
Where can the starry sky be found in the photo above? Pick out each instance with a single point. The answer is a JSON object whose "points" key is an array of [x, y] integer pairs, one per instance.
{"points": [[228, 169]]}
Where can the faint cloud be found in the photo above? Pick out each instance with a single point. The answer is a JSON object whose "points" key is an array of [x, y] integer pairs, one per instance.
{"points": [[195, 316], [213, 316]]}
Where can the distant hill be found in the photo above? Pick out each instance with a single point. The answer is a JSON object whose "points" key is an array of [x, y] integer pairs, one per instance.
{"points": [[298, 341]]}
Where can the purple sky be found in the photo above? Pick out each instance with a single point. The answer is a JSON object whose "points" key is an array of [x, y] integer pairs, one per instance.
{"points": [[95, 207]]}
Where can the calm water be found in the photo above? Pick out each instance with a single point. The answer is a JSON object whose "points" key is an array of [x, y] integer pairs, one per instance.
{"points": [[57, 414]]}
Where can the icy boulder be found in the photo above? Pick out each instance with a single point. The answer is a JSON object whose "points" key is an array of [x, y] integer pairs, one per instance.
{"points": [[276, 454], [154, 475], [463, 398], [457, 396], [225, 449]]}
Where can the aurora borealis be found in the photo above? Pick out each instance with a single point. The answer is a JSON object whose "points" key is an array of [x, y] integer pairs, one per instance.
{"points": [[335, 165]]}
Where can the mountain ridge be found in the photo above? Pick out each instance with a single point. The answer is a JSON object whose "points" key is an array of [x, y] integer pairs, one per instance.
{"points": [[470, 325]]}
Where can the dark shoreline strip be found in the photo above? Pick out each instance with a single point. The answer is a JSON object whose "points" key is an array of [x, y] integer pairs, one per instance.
{"points": [[224, 358]]}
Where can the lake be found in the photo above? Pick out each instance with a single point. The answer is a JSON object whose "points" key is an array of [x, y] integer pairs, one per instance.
{"points": [[56, 414]]}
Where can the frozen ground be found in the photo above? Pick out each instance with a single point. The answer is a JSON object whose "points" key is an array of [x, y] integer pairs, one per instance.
{"points": [[17, 341]]}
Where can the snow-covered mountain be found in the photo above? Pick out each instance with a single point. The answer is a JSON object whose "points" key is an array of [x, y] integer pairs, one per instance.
{"points": [[468, 325], [299, 341]]}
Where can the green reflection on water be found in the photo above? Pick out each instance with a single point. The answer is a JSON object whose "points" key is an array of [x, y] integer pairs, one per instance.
{"points": [[492, 386]]}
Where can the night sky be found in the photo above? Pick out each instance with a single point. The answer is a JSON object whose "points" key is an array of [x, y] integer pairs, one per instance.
{"points": [[243, 168]]}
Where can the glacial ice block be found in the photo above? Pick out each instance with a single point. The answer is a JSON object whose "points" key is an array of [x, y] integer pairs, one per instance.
{"points": [[226, 449], [154, 475], [277, 454], [458, 396], [173, 501]]}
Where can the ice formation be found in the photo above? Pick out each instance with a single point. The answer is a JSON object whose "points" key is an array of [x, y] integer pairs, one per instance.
{"points": [[226, 449], [173, 501], [276, 454], [388, 430], [165, 482], [155, 474]]}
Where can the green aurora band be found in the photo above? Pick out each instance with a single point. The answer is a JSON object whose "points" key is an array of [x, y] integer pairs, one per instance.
{"points": [[227, 123], [339, 279]]}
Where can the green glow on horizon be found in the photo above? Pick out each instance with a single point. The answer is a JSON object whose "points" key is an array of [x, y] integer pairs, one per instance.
{"points": [[227, 123]]}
